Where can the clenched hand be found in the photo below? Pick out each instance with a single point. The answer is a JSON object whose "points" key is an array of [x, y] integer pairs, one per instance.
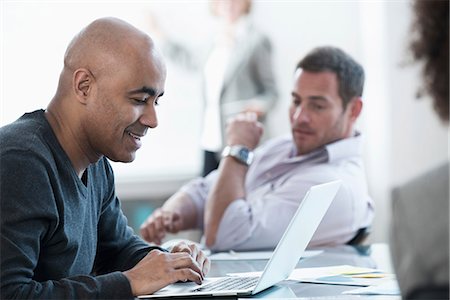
{"points": [[160, 222]]}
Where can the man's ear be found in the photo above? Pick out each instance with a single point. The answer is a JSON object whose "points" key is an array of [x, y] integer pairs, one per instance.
{"points": [[355, 107], [83, 81]]}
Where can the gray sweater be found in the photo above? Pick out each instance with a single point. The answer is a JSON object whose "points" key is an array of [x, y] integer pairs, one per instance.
{"points": [[60, 238]]}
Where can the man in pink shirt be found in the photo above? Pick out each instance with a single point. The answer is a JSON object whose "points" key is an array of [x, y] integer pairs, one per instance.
{"points": [[248, 202]]}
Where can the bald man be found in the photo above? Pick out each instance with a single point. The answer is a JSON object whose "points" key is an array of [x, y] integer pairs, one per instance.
{"points": [[63, 234]]}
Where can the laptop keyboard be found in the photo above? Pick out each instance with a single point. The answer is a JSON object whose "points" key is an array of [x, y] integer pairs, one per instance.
{"points": [[229, 283]]}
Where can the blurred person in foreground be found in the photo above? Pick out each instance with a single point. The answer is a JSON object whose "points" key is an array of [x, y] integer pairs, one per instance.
{"points": [[247, 203], [63, 233], [237, 73], [420, 218]]}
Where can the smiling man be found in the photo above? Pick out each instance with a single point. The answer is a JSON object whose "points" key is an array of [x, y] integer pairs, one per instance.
{"points": [[248, 204], [63, 234]]}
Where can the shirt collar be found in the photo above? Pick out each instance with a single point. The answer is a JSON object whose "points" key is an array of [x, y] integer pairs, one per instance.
{"points": [[343, 148]]}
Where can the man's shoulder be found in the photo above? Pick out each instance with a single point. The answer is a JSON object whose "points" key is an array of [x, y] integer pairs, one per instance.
{"points": [[346, 149], [23, 134], [28, 141]]}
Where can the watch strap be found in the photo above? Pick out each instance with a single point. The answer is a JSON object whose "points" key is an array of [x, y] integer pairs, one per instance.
{"points": [[239, 152]]}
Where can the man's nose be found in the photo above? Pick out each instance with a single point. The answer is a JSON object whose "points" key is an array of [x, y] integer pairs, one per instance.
{"points": [[301, 115], [149, 117]]}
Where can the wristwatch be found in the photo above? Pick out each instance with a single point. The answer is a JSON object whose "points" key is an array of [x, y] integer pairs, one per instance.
{"points": [[239, 152]]}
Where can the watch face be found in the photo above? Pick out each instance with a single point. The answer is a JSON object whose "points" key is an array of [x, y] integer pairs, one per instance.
{"points": [[243, 154], [240, 153]]}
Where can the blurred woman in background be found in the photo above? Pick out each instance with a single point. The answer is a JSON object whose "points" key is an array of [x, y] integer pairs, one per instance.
{"points": [[237, 73]]}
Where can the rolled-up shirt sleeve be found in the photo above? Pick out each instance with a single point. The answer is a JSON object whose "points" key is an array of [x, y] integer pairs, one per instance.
{"points": [[260, 221], [198, 189], [236, 225], [276, 183]]}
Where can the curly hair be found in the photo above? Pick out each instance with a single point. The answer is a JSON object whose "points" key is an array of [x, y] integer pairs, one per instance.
{"points": [[430, 45]]}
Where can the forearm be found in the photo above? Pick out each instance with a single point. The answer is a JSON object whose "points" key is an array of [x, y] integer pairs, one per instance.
{"points": [[243, 130], [229, 186], [108, 262], [182, 204], [76, 287]]}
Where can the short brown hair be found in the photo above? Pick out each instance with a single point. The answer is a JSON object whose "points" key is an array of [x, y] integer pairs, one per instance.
{"points": [[350, 74]]}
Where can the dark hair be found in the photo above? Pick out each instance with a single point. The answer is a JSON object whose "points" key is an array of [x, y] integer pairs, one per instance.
{"points": [[430, 45], [350, 74]]}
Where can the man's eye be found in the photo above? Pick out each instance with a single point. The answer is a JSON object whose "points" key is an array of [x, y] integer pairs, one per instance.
{"points": [[140, 100], [318, 107]]}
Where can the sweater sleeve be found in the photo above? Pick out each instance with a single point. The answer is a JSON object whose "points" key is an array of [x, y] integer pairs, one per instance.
{"points": [[36, 260], [27, 220], [119, 248]]}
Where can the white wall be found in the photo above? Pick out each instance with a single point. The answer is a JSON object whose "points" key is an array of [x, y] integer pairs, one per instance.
{"points": [[419, 141], [411, 138], [35, 36], [402, 135]]}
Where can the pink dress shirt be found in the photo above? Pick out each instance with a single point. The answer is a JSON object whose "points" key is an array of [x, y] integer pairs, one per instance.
{"points": [[276, 183]]}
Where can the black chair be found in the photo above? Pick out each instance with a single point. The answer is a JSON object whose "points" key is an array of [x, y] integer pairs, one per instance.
{"points": [[360, 236]]}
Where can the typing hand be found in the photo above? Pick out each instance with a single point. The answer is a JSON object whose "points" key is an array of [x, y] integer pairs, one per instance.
{"points": [[244, 129], [196, 253], [159, 269], [160, 222]]}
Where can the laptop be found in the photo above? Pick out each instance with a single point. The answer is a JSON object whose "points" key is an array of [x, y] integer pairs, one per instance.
{"points": [[283, 260]]}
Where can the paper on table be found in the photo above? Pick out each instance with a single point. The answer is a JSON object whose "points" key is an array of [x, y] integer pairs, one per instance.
{"points": [[388, 288], [254, 255], [341, 275], [303, 273]]}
